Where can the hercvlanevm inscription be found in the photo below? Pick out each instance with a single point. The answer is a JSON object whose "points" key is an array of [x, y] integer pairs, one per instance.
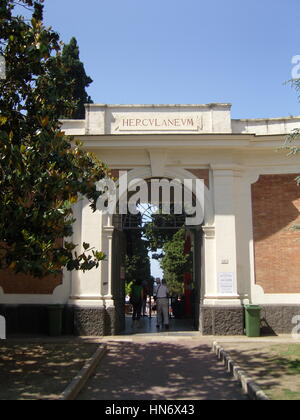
{"points": [[159, 124]]}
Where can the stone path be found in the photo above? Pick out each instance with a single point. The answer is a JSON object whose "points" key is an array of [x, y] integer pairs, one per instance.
{"points": [[161, 368]]}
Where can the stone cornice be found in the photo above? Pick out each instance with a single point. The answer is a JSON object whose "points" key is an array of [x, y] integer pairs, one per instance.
{"points": [[157, 106]]}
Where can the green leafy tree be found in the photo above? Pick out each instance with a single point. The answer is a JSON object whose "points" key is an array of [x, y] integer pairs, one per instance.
{"points": [[159, 231], [175, 262], [175, 285], [42, 172], [77, 78], [292, 140], [137, 258], [168, 242]]}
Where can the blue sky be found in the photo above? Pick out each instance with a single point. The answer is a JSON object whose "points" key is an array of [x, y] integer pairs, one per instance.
{"points": [[191, 51]]}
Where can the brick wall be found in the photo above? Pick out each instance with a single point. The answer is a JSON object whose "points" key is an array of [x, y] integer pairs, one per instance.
{"points": [[116, 172], [201, 174], [276, 206], [21, 284]]}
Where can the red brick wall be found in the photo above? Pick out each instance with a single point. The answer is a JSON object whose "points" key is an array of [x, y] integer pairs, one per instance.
{"points": [[22, 284], [276, 206], [12, 283], [115, 172], [201, 174]]}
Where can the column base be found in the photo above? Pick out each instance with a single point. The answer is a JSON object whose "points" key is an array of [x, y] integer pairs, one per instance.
{"points": [[91, 321], [222, 320], [223, 300], [97, 318]]}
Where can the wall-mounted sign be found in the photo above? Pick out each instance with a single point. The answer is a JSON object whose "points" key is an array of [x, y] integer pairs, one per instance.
{"points": [[226, 283]]}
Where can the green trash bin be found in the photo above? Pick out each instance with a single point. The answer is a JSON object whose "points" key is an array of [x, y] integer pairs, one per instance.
{"points": [[252, 315], [55, 320]]}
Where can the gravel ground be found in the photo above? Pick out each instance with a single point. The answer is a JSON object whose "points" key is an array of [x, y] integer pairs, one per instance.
{"points": [[38, 371]]}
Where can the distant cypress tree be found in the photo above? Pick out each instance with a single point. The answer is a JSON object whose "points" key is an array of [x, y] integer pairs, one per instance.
{"points": [[76, 74]]}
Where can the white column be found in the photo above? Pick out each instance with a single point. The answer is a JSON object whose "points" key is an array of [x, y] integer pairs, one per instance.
{"points": [[223, 290], [86, 287], [209, 261], [107, 265], [77, 239]]}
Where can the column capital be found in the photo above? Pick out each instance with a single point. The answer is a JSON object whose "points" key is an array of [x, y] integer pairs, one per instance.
{"points": [[209, 232], [231, 169], [108, 230]]}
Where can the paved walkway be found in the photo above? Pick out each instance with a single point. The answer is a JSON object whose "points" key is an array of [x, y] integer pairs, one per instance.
{"points": [[164, 366]]}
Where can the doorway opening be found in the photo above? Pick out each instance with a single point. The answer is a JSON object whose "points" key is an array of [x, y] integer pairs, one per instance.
{"points": [[150, 246]]}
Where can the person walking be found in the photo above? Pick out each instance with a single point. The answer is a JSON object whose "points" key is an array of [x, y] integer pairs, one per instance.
{"points": [[145, 297], [162, 302], [157, 284], [136, 300]]}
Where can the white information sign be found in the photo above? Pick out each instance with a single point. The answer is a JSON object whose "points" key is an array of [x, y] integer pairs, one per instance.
{"points": [[226, 283]]}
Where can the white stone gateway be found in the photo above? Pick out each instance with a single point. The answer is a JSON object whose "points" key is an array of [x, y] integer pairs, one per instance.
{"points": [[244, 249]]}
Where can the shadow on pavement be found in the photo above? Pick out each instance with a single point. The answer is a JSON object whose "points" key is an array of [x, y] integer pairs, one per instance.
{"points": [[161, 371]]}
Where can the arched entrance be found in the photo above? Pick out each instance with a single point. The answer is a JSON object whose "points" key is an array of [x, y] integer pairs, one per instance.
{"points": [[192, 280], [98, 299]]}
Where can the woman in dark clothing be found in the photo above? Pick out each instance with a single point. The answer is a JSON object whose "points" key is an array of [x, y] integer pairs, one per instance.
{"points": [[136, 299]]}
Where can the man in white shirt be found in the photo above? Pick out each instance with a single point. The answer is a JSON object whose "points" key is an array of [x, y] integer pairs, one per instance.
{"points": [[162, 301], [156, 286]]}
